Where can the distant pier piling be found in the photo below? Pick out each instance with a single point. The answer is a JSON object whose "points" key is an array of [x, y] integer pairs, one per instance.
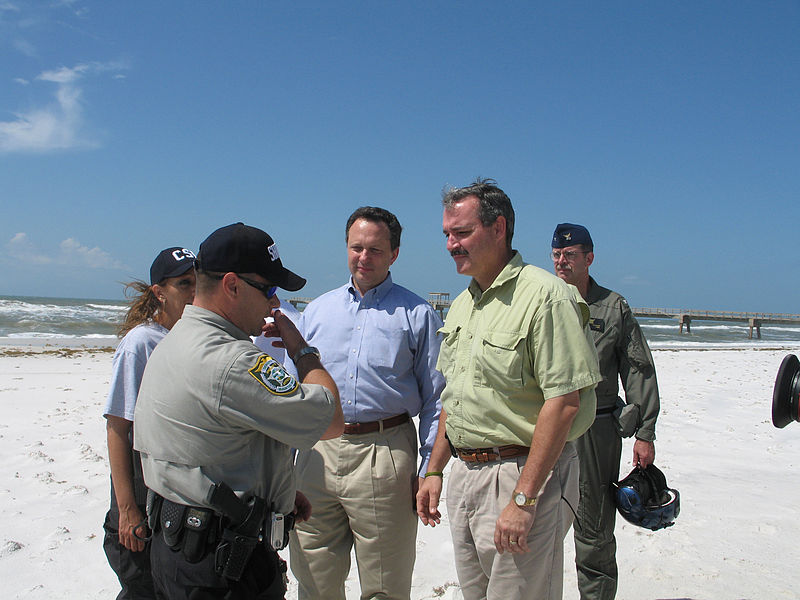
{"points": [[757, 324], [685, 317]]}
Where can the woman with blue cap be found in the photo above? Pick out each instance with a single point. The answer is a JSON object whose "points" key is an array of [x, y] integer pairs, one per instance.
{"points": [[153, 311]]}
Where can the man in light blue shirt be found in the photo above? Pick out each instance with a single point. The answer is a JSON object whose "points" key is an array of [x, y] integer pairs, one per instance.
{"points": [[379, 342]]}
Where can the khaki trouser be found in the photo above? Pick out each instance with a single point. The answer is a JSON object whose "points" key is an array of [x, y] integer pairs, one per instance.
{"points": [[599, 451], [476, 495], [360, 488]]}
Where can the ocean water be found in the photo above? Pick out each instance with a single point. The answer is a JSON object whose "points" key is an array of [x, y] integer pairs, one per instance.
{"points": [[29, 317], [665, 334]]}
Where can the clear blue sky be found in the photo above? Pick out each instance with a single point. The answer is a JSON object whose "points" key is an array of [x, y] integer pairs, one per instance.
{"points": [[670, 129]]}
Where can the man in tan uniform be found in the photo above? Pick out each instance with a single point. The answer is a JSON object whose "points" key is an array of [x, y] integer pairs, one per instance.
{"points": [[215, 422]]}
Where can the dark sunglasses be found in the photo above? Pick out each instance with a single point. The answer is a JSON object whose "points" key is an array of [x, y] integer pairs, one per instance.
{"points": [[266, 289]]}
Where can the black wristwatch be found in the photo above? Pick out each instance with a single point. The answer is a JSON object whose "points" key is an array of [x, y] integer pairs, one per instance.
{"points": [[303, 351]]}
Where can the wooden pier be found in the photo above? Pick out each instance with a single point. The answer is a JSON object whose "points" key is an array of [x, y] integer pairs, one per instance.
{"points": [[685, 317], [441, 303]]}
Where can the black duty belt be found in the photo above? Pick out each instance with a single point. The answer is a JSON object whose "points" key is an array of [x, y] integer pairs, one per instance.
{"points": [[371, 426], [231, 529], [491, 454], [606, 411]]}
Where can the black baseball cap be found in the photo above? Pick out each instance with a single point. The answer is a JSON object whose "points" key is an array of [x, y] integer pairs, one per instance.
{"points": [[171, 262], [239, 248], [569, 234]]}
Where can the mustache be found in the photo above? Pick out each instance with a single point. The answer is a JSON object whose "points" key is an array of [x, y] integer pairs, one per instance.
{"points": [[458, 252]]}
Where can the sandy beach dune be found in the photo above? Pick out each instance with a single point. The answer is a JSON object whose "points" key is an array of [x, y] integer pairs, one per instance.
{"points": [[739, 479]]}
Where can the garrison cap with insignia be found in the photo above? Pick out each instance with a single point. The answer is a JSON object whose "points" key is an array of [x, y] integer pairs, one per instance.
{"points": [[569, 234]]}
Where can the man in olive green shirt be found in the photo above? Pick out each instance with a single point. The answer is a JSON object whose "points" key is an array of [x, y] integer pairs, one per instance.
{"points": [[624, 354], [520, 372]]}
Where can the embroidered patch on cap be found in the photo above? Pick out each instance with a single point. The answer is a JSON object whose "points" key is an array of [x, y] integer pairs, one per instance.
{"points": [[273, 376], [273, 252]]}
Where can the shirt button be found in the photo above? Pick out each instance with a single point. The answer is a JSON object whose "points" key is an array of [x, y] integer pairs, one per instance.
{"points": [[349, 402], [351, 375], [354, 350]]}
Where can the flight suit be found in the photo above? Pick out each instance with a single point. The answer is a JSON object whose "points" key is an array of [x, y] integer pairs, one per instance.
{"points": [[624, 354]]}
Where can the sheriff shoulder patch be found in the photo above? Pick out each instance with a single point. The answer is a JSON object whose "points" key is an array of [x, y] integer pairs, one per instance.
{"points": [[272, 375]]}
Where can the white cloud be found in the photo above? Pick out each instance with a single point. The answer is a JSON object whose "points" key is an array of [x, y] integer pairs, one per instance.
{"points": [[64, 75], [6, 6], [21, 249], [25, 48], [71, 253], [59, 126], [21, 81]]}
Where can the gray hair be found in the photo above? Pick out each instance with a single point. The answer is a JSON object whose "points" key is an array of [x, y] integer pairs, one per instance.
{"points": [[492, 203]]}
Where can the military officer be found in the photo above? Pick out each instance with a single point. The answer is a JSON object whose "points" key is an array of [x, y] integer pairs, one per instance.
{"points": [[623, 354]]}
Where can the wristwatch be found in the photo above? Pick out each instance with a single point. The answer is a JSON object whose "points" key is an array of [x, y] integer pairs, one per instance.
{"points": [[520, 499], [303, 351]]}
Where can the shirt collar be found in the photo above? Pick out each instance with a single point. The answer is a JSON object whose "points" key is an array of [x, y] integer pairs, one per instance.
{"points": [[509, 272], [593, 293], [204, 314], [376, 294]]}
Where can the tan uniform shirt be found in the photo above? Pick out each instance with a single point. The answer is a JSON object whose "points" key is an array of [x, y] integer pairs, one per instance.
{"points": [[214, 408]]}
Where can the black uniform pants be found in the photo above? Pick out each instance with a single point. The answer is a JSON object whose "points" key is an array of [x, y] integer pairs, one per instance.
{"points": [[177, 579], [132, 568]]}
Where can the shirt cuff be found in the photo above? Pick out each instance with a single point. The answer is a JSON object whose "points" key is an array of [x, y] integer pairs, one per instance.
{"points": [[423, 467]]}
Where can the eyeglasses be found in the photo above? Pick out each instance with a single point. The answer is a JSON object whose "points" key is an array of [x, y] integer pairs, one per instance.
{"points": [[268, 290], [568, 254]]}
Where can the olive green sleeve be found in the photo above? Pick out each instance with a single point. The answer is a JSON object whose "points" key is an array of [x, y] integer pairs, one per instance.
{"points": [[638, 374]]}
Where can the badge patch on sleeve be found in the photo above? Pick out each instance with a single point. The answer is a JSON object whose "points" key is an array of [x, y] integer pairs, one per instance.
{"points": [[273, 376]]}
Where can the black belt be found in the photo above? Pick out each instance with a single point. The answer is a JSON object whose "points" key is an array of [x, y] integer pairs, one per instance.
{"points": [[198, 531], [606, 411], [369, 427]]}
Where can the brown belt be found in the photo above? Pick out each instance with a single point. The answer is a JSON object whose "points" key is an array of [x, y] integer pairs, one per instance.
{"points": [[369, 427], [491, 454]]}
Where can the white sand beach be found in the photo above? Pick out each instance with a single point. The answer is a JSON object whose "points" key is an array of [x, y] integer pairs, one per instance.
{"points": [[738, 476]]}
